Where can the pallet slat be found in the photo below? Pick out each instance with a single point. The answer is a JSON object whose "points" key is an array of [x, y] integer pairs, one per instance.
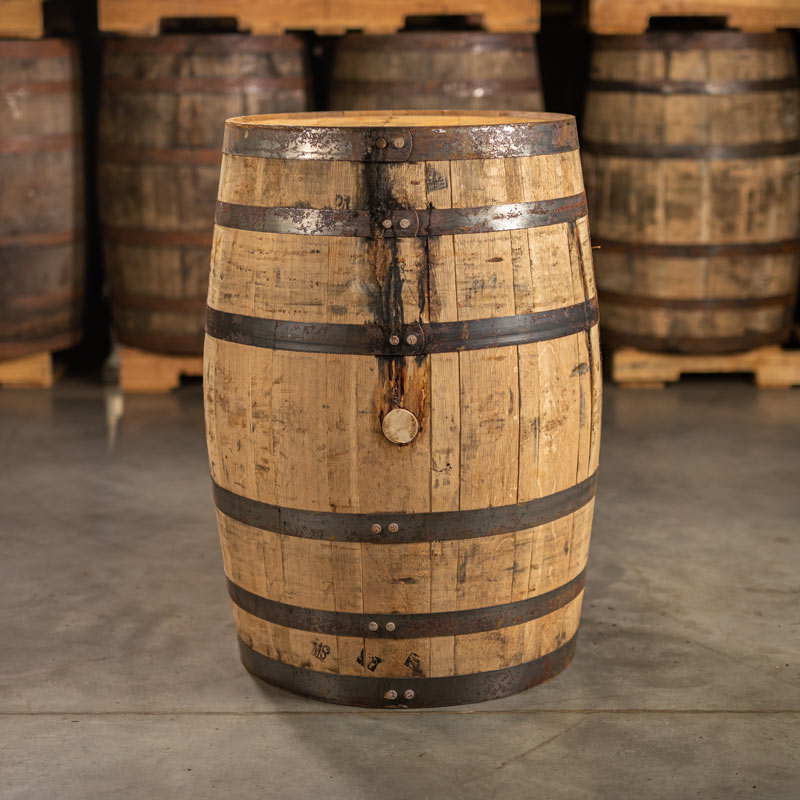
{"points": [[772, 367], [143, 17], [751, 16], [28, 372], [21, 19], [141, 372]]}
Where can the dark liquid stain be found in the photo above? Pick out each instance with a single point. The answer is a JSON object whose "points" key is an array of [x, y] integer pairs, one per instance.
{"points": [[387, 304]]}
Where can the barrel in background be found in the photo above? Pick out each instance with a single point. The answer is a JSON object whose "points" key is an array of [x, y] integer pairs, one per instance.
{"points": [[402, 393], [42, 266], [437, 69], [163, 108], [692, 165]]}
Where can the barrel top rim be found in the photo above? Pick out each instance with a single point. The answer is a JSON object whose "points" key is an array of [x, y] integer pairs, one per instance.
{"points": [[688, 40], [407, 135], [363, 121]]}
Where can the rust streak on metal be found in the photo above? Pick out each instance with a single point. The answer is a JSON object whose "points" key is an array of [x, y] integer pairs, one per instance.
{"points": [[244, 83], [40, 144], [413, 527], [695, 40], [398, 222], [373, 338], [39, 87], [41, 239], [434, 143], [695, 303], [408, 626]]}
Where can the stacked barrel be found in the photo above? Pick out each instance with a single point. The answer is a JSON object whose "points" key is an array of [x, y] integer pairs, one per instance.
{"points": [[692, 161], [164, 103], [41, 197], [436, 69]]}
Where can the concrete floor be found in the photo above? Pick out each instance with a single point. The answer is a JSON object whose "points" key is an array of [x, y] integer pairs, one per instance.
{"points": [[119, 675]]}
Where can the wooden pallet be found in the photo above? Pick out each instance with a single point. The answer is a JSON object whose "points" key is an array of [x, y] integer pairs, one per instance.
{"points": [[773, 367], [143, 372], [35, 371], [21, 19], [143, 17], [633, 16]]}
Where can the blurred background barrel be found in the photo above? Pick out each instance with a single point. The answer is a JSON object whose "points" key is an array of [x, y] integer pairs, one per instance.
{"points": [[439, 69], [41, 197], [692, 165], [163, 110]]}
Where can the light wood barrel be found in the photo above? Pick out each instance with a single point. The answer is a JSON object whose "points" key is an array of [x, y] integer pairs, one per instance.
{"points": [[402, 388], [464, 70], [693, 178], [164, 105], [42, 269]]}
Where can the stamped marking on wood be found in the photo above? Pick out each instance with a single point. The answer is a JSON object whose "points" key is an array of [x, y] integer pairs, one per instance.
{"points": [[370, 662], [414, 663], [320, 650]]}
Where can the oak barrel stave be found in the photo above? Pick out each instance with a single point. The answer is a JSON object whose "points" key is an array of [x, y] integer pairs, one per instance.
{"points": [[692, 161], [450, 567], [464, 70], [164, 104], [42, 268]]}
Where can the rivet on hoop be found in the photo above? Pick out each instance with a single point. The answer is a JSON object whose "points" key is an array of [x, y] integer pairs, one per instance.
{"points": [[387, 223], [408, 694], [411, 339], [399, 142], [381, 142], [391, 695], [394, 340], [376, 528], [390, 626], [373, 626], [405, 223], [393, 527]]}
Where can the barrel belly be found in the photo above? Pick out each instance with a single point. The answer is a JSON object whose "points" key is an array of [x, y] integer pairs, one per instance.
{"points": [[464, 70], [165, 101], [692, 161], [402, 390], [42, 269]]}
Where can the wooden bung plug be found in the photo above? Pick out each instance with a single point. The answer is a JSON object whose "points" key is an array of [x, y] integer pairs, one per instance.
{"points": [[400, 426]]}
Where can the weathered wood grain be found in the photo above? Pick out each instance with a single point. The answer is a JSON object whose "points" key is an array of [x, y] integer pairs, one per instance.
{"points": [[42, 268], [697, 253], [143, 17], [436, 70], [633, 16], [163, 109], [772, 367], [498, 426]]}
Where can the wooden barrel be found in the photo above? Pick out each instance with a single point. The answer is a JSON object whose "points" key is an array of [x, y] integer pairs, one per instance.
{"points": [[402, 389], [164, 105], [469, 70], [42, 268], [693, 178]]}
